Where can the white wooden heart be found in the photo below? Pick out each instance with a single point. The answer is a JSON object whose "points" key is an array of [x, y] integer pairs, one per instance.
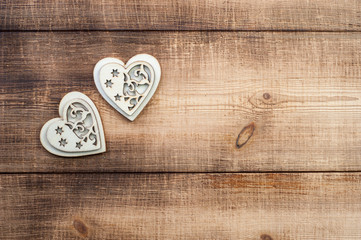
{"points": [[78, 131], [127, 87]]}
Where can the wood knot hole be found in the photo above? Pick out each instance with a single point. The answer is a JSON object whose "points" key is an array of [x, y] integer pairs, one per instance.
{"points": [[266, 96], [245, 134], [266, 237], [80, 227]]}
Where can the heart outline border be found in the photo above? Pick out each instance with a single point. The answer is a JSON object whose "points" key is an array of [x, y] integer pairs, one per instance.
{"points": [[72, 96], [139, 57]]}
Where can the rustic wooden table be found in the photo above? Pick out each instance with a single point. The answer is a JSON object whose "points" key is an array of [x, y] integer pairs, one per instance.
{"points": [[281, 76]]}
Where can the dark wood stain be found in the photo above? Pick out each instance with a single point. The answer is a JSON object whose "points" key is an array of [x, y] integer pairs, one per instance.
{"points": [[80, 227], [266, 96], [245, 134], [266, 237]]}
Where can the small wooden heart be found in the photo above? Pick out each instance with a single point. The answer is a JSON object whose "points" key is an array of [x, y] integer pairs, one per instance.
{"points": [[78, 131], [127, 87]]}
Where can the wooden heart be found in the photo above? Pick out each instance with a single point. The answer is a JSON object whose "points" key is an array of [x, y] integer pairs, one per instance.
{"points": [[128, 88], [78, 131]]}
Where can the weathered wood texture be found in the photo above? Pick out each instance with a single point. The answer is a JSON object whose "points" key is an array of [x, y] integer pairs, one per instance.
{"points": [[294, 96], [181, 206], [318, 15]]}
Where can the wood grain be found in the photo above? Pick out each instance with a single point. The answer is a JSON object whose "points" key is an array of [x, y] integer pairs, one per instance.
{"points": [[300, 92], [180, 206], [262, 85], [316, 15]]}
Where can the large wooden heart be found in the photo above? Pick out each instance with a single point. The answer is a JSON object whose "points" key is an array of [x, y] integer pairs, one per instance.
{"points": [[78, 131], [127, 87]]}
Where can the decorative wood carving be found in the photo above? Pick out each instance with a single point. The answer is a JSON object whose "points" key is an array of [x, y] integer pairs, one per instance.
{"points": [[78, 131], [128, 87]]}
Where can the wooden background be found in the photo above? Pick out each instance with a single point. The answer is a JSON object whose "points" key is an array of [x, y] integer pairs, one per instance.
{"points": [[253, 133]]}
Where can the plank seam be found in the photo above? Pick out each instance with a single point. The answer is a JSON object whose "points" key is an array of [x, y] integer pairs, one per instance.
{"points": [[174, 30], [163, 173]]}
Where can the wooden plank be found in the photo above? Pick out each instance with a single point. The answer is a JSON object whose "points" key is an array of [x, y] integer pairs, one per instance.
{"points": [[181, 206], [294, 97], [316, 15]]}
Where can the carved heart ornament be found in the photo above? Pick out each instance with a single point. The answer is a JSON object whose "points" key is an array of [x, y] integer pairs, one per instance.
{"points": [[78, 131], [127, 87]]}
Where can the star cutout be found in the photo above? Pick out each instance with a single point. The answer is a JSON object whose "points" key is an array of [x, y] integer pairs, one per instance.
{"points": [[117, 97], [63, 142], [108, 83], [78, 145], [59, 130], [115, 73]]}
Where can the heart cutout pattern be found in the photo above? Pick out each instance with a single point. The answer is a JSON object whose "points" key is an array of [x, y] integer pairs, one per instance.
{"points": [[78, 131], [128, 88]]}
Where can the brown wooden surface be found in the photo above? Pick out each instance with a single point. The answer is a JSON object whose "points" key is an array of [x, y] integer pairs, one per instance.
{"points": [[265, 86], [316, 15], [297, 95], [181, 206]]}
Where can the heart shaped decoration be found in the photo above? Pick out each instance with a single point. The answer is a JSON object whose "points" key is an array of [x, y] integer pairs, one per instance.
{"points": [[78, 131], [127, 87]]}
